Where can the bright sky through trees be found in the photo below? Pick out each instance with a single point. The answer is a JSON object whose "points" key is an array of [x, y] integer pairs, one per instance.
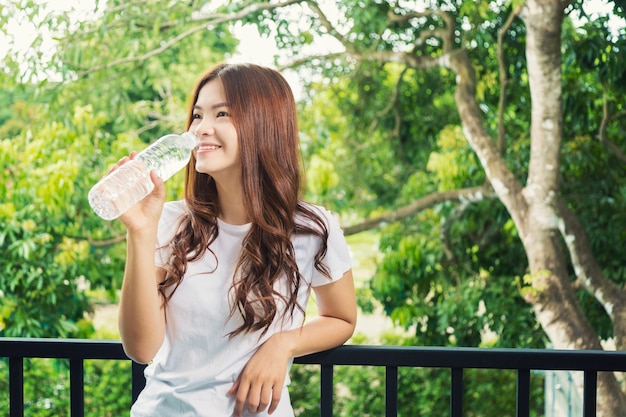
{"points": [[253, 48], [20, 33]]}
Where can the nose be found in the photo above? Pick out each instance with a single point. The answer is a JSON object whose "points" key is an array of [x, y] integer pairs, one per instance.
{"points": [[204, 127]]}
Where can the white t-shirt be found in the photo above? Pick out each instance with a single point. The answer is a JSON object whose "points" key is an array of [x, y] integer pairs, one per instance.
{"points": [[197, 363]]}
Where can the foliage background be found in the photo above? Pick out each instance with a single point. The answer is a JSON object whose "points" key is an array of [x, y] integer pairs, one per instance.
{"points": [[450, 275]]}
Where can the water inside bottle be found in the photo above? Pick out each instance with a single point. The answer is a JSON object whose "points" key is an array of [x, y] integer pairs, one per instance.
{"points": [[112, 196], [167, 159], [124, 187]]}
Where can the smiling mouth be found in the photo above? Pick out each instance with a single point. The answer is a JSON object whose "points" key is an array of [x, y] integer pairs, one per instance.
{"points": [[209, 148]]}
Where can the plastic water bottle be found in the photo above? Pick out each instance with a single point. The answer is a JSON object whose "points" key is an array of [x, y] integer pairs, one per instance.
{"points": [[118, 191]]}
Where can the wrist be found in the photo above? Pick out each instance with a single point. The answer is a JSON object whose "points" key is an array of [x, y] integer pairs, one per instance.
{"points": [[144, 236], [286, 341]]}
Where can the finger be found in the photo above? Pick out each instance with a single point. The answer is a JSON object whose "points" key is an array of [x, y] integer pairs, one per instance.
{"points": [[264, 399], [240, 400], [234, 388], [122, 161], [275, 401], [156, 180], [119, 163], [254, 397]]}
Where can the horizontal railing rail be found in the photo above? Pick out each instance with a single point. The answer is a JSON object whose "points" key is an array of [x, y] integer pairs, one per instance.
{"points": [[391, 357]]}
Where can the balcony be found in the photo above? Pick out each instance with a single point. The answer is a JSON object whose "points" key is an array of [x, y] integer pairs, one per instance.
{"points": [[391, 358]]}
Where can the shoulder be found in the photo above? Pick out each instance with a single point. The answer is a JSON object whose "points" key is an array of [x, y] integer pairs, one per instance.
{"points": [[321, 234], [312, 218], [309, 212], [174, 209]]}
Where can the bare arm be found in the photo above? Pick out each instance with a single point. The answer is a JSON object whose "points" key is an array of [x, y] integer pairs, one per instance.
{"points": [[141, 315], [335, 323]]}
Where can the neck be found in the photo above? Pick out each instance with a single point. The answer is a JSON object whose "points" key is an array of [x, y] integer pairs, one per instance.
{"points": [[231, 206]]}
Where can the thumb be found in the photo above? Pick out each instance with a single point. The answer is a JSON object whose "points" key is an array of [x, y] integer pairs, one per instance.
{"points": [[159, 185]]}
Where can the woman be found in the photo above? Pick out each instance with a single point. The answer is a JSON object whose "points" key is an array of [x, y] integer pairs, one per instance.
{"points": [[218, 309]]}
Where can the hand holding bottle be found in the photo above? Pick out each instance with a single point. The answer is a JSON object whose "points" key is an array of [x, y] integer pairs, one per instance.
{"points": [[146, 212], [129, 181]]}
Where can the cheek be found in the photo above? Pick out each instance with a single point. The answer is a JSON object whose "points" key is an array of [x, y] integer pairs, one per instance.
{"points": [[230, 136]]}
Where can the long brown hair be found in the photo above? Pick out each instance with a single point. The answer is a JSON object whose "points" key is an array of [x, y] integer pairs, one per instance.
{"points": [[263, 112]]}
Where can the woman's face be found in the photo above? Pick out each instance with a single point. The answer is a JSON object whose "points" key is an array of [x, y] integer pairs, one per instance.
{"points": [[218, 151]]}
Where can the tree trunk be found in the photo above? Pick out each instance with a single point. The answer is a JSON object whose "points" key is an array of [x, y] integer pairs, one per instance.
{"points": [[550, 233], [552, 295], [535, 206]]}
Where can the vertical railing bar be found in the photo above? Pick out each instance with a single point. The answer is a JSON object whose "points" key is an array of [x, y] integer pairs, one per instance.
{"points": [[456, 395], [391, 391], [590, 393], [326, 391], [77, 387], [16, 386], [523, 393], [138, 379]]}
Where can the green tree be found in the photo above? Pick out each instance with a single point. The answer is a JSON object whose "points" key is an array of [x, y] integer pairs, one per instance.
{"points": [[62, 132], [43, 267], [492, 204], [489, 133]]}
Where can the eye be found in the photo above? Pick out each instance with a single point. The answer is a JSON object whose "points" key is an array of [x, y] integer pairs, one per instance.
{"points": [[223, 113], [195, 116]]}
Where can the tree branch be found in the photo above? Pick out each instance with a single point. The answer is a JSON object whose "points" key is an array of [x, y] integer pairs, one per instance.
{"points": [[446, 34], [410, 59], [389, 108], [207, 21], [501, 144], [450, 257], [471, 194], [500, 177], [100, 243], [311, 58], [602, 136], [330, 28], [414, 61], [110, 10], [589, 274]]}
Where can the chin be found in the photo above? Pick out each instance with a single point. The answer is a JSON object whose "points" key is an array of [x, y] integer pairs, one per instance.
{"points": [[203, 169]]}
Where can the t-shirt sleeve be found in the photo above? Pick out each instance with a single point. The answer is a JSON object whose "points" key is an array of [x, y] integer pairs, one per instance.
{"points": [[168, 223], [337, 259]]}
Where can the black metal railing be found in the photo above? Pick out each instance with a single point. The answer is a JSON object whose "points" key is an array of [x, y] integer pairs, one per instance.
{"points": [[389, 357]]}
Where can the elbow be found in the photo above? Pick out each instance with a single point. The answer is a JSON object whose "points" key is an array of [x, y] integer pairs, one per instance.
{"points": [[139, 344], [347, 329], [141, 349], [350, 329], [351, 319], [142, 356]]}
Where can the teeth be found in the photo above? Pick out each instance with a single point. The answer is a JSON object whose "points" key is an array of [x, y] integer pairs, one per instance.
{"points": [[209, 148]]}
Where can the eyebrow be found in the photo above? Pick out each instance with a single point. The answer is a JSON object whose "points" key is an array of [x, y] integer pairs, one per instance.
{"points": [[213, 107]]}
